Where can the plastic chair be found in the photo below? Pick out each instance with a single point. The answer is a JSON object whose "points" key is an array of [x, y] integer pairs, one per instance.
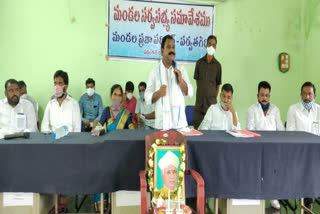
{"points": [[172, 138], [189, 114]]}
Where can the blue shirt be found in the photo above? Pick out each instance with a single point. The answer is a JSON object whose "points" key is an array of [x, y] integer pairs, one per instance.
{"points": [[91, 109]]}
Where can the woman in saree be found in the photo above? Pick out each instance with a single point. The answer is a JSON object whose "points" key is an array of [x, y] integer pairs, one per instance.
{"points": [[113, 117]]}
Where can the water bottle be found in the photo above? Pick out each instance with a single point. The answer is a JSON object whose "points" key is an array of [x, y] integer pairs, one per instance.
{"points": [[60, 132]]}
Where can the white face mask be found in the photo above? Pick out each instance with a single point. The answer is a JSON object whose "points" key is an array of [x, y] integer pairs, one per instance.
{"points": [[90, 91], [224, 106], [129, 96], [210, 51]]}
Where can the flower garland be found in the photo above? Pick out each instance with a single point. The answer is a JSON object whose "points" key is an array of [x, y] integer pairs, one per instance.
{"points": [[150, 170]]}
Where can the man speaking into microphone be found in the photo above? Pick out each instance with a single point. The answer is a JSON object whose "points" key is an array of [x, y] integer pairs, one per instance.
{"points": [[16, 115], [167, 85]]}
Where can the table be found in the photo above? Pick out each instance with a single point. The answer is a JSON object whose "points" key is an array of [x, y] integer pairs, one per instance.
{"points": [[276, 165]]}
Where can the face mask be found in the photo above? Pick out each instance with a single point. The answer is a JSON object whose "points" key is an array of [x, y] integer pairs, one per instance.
{"points": [[210, 51], [264, 107], [129, 95], [90, 91], [141, 94], [224, 106], [307, 106], [116, 104], [58, 91]]}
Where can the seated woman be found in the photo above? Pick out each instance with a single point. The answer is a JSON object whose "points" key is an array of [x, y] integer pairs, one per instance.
{"points": [[113, 117]]}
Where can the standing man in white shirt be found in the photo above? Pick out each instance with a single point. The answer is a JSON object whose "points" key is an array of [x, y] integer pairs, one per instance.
{"points": [[222, 116], [145, 113], [265, 116], [168, 83], [305, 116], [16, 115]]}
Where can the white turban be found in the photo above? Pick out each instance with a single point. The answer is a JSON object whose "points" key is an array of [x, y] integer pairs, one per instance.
{"points": [[168, 159]]}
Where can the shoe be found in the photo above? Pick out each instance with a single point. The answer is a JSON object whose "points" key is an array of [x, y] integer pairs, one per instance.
{"points": [[275, 204]]}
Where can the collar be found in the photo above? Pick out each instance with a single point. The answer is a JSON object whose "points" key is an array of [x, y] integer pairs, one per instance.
{"points": [[213, 61], [7, 103], [67, 99]]}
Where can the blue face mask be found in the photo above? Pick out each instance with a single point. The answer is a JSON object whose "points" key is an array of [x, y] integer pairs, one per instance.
{"points": [[141, 94], [307, 106], [264, 107]]}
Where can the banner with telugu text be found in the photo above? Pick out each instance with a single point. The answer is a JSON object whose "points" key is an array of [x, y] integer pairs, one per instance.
{"points": [[136, 28]]}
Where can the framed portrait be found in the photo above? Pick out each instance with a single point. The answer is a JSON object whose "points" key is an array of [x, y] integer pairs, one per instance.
{"points": [[166, 172]]}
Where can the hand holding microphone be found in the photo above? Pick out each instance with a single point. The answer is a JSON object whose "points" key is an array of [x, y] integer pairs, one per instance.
{"points": [[177, 72]]}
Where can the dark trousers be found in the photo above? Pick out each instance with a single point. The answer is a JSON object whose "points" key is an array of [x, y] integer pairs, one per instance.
{"points": [[197, 118]]}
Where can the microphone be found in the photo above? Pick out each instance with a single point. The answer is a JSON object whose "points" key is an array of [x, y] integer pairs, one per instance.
{"points": [[25, 135], [174, 64]]}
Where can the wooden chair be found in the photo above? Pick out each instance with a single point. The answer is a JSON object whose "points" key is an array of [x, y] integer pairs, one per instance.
{"points": [[172, 138]]}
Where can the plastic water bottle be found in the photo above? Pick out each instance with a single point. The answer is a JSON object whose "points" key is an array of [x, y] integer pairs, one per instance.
{"points": [[60, 132]]}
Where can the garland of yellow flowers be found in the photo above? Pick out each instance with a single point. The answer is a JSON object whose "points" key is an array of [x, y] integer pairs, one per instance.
{"points": [[150, 172]]}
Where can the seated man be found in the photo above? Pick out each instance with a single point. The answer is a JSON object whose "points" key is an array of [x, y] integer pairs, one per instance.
{"points": [[129, 102], [63, 110], [145, 113], [90, 106], [16, 115], [264, 116], [24, 95], [305, 116], [222, 116]]}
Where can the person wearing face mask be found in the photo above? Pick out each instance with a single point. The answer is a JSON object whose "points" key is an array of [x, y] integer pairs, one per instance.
{"points": [[129, 101], [168, 85], [91, 106], [207, 74], [222, 116], [145, 113], [63, 109], [263, 115], [16, 115], [113, 117], [305, 116]]}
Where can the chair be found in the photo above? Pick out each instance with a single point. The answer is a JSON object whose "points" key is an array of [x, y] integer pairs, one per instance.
{"points": [[189, 114], [173, 139]]}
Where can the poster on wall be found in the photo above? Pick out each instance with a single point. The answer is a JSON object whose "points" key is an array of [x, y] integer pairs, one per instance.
{"points": [[136, 28]]}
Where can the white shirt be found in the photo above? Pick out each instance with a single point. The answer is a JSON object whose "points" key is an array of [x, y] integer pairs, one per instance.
{"points": [[256, 120], [169, 109], [143, 108], [300, 119], [17, 119], [67, 114], [34, 103], [218, 119]]}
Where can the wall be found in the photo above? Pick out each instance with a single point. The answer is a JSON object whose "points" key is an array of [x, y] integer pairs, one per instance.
{"points": [[39, 37], [311, 63]]}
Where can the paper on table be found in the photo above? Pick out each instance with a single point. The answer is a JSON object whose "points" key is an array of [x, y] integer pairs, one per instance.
{"points": [[128, 198], [189, 132], [11, 199], [242, 202]]}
